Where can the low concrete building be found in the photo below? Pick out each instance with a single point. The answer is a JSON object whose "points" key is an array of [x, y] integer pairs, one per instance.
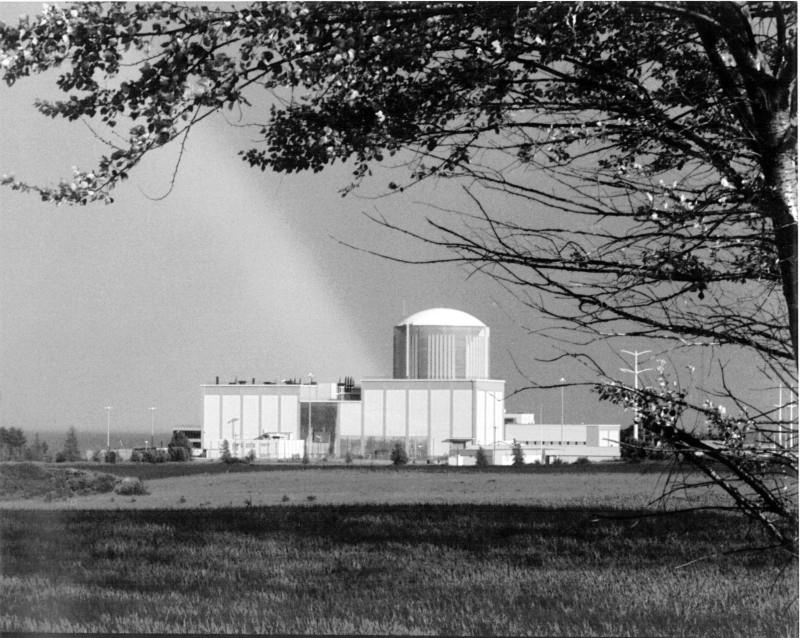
{"points": [[545, 451], [439, 400], [428, 417]]}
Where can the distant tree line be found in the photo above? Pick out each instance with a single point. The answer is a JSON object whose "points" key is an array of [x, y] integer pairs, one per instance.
{"points": [[14, 446]]}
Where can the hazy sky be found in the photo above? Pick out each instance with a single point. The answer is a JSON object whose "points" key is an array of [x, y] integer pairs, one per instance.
{"points": [[235, 273]]}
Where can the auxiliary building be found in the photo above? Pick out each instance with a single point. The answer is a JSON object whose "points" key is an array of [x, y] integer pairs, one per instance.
{"points": [[439, 401]]}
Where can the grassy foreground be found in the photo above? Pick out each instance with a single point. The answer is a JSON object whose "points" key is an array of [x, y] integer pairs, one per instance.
{"points": [[465, 569]]}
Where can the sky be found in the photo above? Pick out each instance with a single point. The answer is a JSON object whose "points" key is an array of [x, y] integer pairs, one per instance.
{"points": [[236, 273]]}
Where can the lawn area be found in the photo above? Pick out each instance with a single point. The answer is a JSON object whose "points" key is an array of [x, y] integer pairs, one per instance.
{"points": [[389, 552], [258, 485]]}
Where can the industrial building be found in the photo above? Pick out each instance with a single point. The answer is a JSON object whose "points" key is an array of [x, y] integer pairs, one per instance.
{"points": [[439, 400], [546, 442]]}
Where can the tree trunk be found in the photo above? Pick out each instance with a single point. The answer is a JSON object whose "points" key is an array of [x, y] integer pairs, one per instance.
{"points": [[780, 173]]}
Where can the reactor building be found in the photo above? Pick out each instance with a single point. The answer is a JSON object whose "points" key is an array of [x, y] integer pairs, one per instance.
{"points": [[440, 400]]}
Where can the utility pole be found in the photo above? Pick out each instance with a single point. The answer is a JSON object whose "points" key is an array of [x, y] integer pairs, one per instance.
{"points": [[563, 381], [636, 372]]}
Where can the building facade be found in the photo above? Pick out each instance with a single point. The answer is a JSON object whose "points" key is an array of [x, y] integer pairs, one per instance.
{"points": [[440, 399]]}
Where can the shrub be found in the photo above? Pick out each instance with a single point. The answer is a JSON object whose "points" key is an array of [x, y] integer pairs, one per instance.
{"points": [[180, 449], [225, 452], [111, 457], [633, 450], [136, 456], [251, 456], [636, 450], [179, 454], [60, 458], [73, 481], [152, 455], [130, 486], [348, 458], [102, 483], [582, 460], [399, 456], [24, 480], [519, 457], [481, 460], [71, 450]]}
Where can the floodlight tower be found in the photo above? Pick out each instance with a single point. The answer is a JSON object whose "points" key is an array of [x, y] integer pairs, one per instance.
{"points": [[636, 372]]}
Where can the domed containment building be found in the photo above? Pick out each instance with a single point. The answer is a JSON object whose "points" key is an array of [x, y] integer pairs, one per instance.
{"points": [[441, 343], [441, 396]]}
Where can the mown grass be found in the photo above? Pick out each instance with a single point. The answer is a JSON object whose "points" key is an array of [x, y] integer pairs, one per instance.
{"points": [[154, 471], [391, 569], [388, 485]]}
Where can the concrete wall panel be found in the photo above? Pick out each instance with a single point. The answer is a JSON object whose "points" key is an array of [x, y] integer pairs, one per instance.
{"points": [[290, 414], [440, 420], [608, 437], [373, 413], [250, 417], [462, 414], [350, 418], [269, 414], [212, 422], [418, 413], [231, 417], [395, 413]]}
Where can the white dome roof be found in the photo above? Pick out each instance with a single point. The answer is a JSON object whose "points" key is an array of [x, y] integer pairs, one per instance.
{"points": [[442, 317]]}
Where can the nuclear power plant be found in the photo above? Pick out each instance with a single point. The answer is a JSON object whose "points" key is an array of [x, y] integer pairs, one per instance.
{"points": [[441, 343], [440, 404]]}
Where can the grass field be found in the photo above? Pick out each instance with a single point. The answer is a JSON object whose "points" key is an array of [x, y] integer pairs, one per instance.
{"points": [[449, 553], [178, 485]]}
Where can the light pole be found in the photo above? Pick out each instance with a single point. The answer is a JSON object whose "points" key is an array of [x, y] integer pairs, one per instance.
{"points": [[108, 427], [563, 381], [780, 412], [309, 437], [786, 430], [152, 424], [779, 425], [636, 372]]}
